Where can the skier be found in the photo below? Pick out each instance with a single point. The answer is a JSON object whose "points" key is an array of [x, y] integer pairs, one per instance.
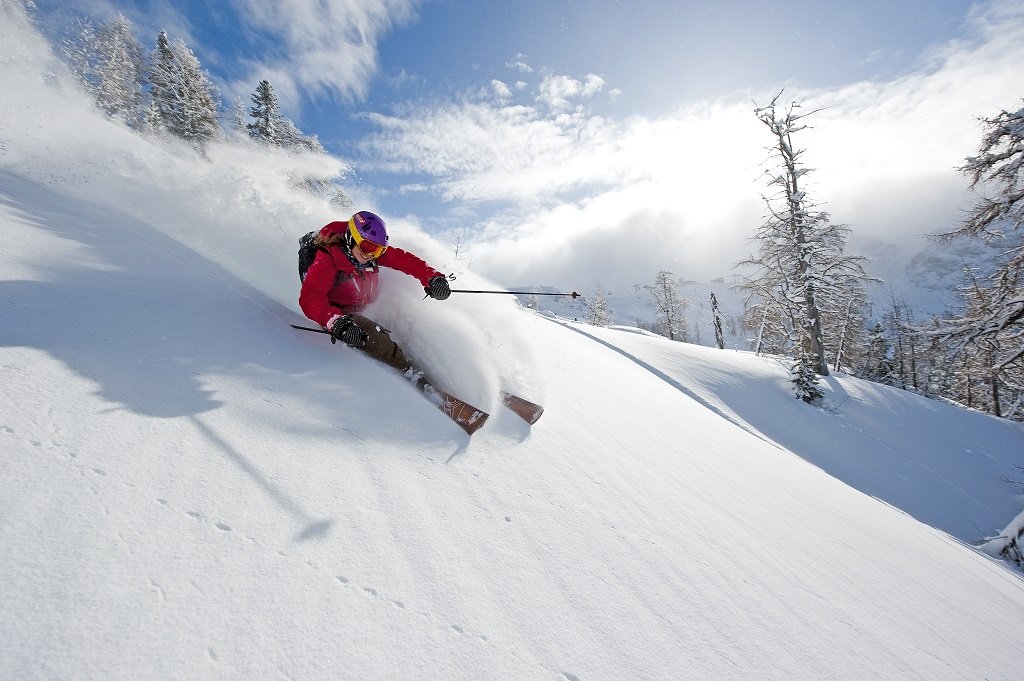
{"points": [[342, 281]]}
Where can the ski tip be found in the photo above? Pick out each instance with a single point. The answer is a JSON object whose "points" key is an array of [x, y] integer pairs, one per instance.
{"points": [[524, 409]]}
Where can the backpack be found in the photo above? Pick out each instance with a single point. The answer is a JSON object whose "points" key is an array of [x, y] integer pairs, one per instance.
{"points": [[307, 253]]}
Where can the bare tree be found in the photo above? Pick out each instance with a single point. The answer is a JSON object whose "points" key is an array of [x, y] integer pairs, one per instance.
{"points": [[717, 323], [669, 306], [801, 272]]}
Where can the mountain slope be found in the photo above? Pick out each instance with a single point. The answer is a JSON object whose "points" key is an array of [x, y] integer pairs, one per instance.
{"points": [[193, 490]]}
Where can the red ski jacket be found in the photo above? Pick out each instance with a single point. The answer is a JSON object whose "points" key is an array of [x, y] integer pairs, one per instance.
{"points": [[335, 284]]}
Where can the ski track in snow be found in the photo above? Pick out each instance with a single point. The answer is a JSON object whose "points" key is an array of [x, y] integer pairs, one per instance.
{"points": [[98, 482]]}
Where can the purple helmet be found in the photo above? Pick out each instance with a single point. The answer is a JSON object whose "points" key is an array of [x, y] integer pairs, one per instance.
{"points": [[369, 226]]}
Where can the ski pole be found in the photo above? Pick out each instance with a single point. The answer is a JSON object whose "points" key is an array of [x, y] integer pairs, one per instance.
{"points": [[520, 293], [306, 328]]}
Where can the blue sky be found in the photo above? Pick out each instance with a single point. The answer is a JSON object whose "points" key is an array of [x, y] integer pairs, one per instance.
{"points": [[575, 119]]}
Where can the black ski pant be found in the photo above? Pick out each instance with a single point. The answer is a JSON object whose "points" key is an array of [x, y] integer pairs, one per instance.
{"points": [[379, 344]]}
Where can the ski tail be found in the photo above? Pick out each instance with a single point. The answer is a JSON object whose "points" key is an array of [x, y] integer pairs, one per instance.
{"points": [[524, 409]]}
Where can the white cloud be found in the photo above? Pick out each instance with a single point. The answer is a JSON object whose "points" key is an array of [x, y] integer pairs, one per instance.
{"points": [[687, 185], [519, 64], [500, 89], [557, 91], [320, 47]]}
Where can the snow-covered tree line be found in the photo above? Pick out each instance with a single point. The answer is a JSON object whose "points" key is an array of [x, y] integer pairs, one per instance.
{"points": [[168, 92], [982, 343], [975, 354], [807, 296]]}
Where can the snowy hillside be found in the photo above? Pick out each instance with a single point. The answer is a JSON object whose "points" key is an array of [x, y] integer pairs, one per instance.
{"points": [[191, 489]]}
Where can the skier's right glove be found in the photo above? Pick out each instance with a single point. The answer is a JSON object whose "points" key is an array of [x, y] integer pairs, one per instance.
{"points": [[344, 329], [437, 287]]}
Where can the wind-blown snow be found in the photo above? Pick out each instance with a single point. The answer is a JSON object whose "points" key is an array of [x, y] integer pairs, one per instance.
{"points": [[191, 489]]}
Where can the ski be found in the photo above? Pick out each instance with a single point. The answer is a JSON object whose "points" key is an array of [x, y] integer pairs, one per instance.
{"points": [[524, 409], [464, 414], [468, 417]]}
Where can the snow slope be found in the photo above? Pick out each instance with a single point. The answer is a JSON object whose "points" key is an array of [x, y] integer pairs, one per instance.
{"points": [[190, 489], [944, 465]]}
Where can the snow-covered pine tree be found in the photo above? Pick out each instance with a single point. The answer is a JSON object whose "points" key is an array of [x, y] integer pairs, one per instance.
{"points": [[271, 127], [990, 323], [164, 87], [804, 377], [877, 364], [265, 114], [239, 123], [937, 364], [802, 267], [293, 138], [598, 312], [120, 72], [151, 120], [669, 306], [80, 53], [185, 100]]}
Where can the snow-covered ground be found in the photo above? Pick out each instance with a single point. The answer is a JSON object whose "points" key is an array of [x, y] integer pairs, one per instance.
{"points": [[191, 489]]}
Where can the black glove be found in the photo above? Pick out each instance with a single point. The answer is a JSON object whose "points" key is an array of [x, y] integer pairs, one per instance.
{"points": [[346, 331], [437, 287]]}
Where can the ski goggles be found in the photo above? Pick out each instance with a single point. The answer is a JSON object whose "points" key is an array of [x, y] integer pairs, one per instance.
{"points": [[370, 249]]}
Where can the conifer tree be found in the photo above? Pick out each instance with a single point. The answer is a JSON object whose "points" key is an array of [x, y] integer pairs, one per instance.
{"points": [[164, 82], [185, 100], [80, 51], [151, 120], [804, 378], [271, 127], [119, 72], [598, 312], [876, 363], [239, 124], [266, 115], [293, 138]]}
